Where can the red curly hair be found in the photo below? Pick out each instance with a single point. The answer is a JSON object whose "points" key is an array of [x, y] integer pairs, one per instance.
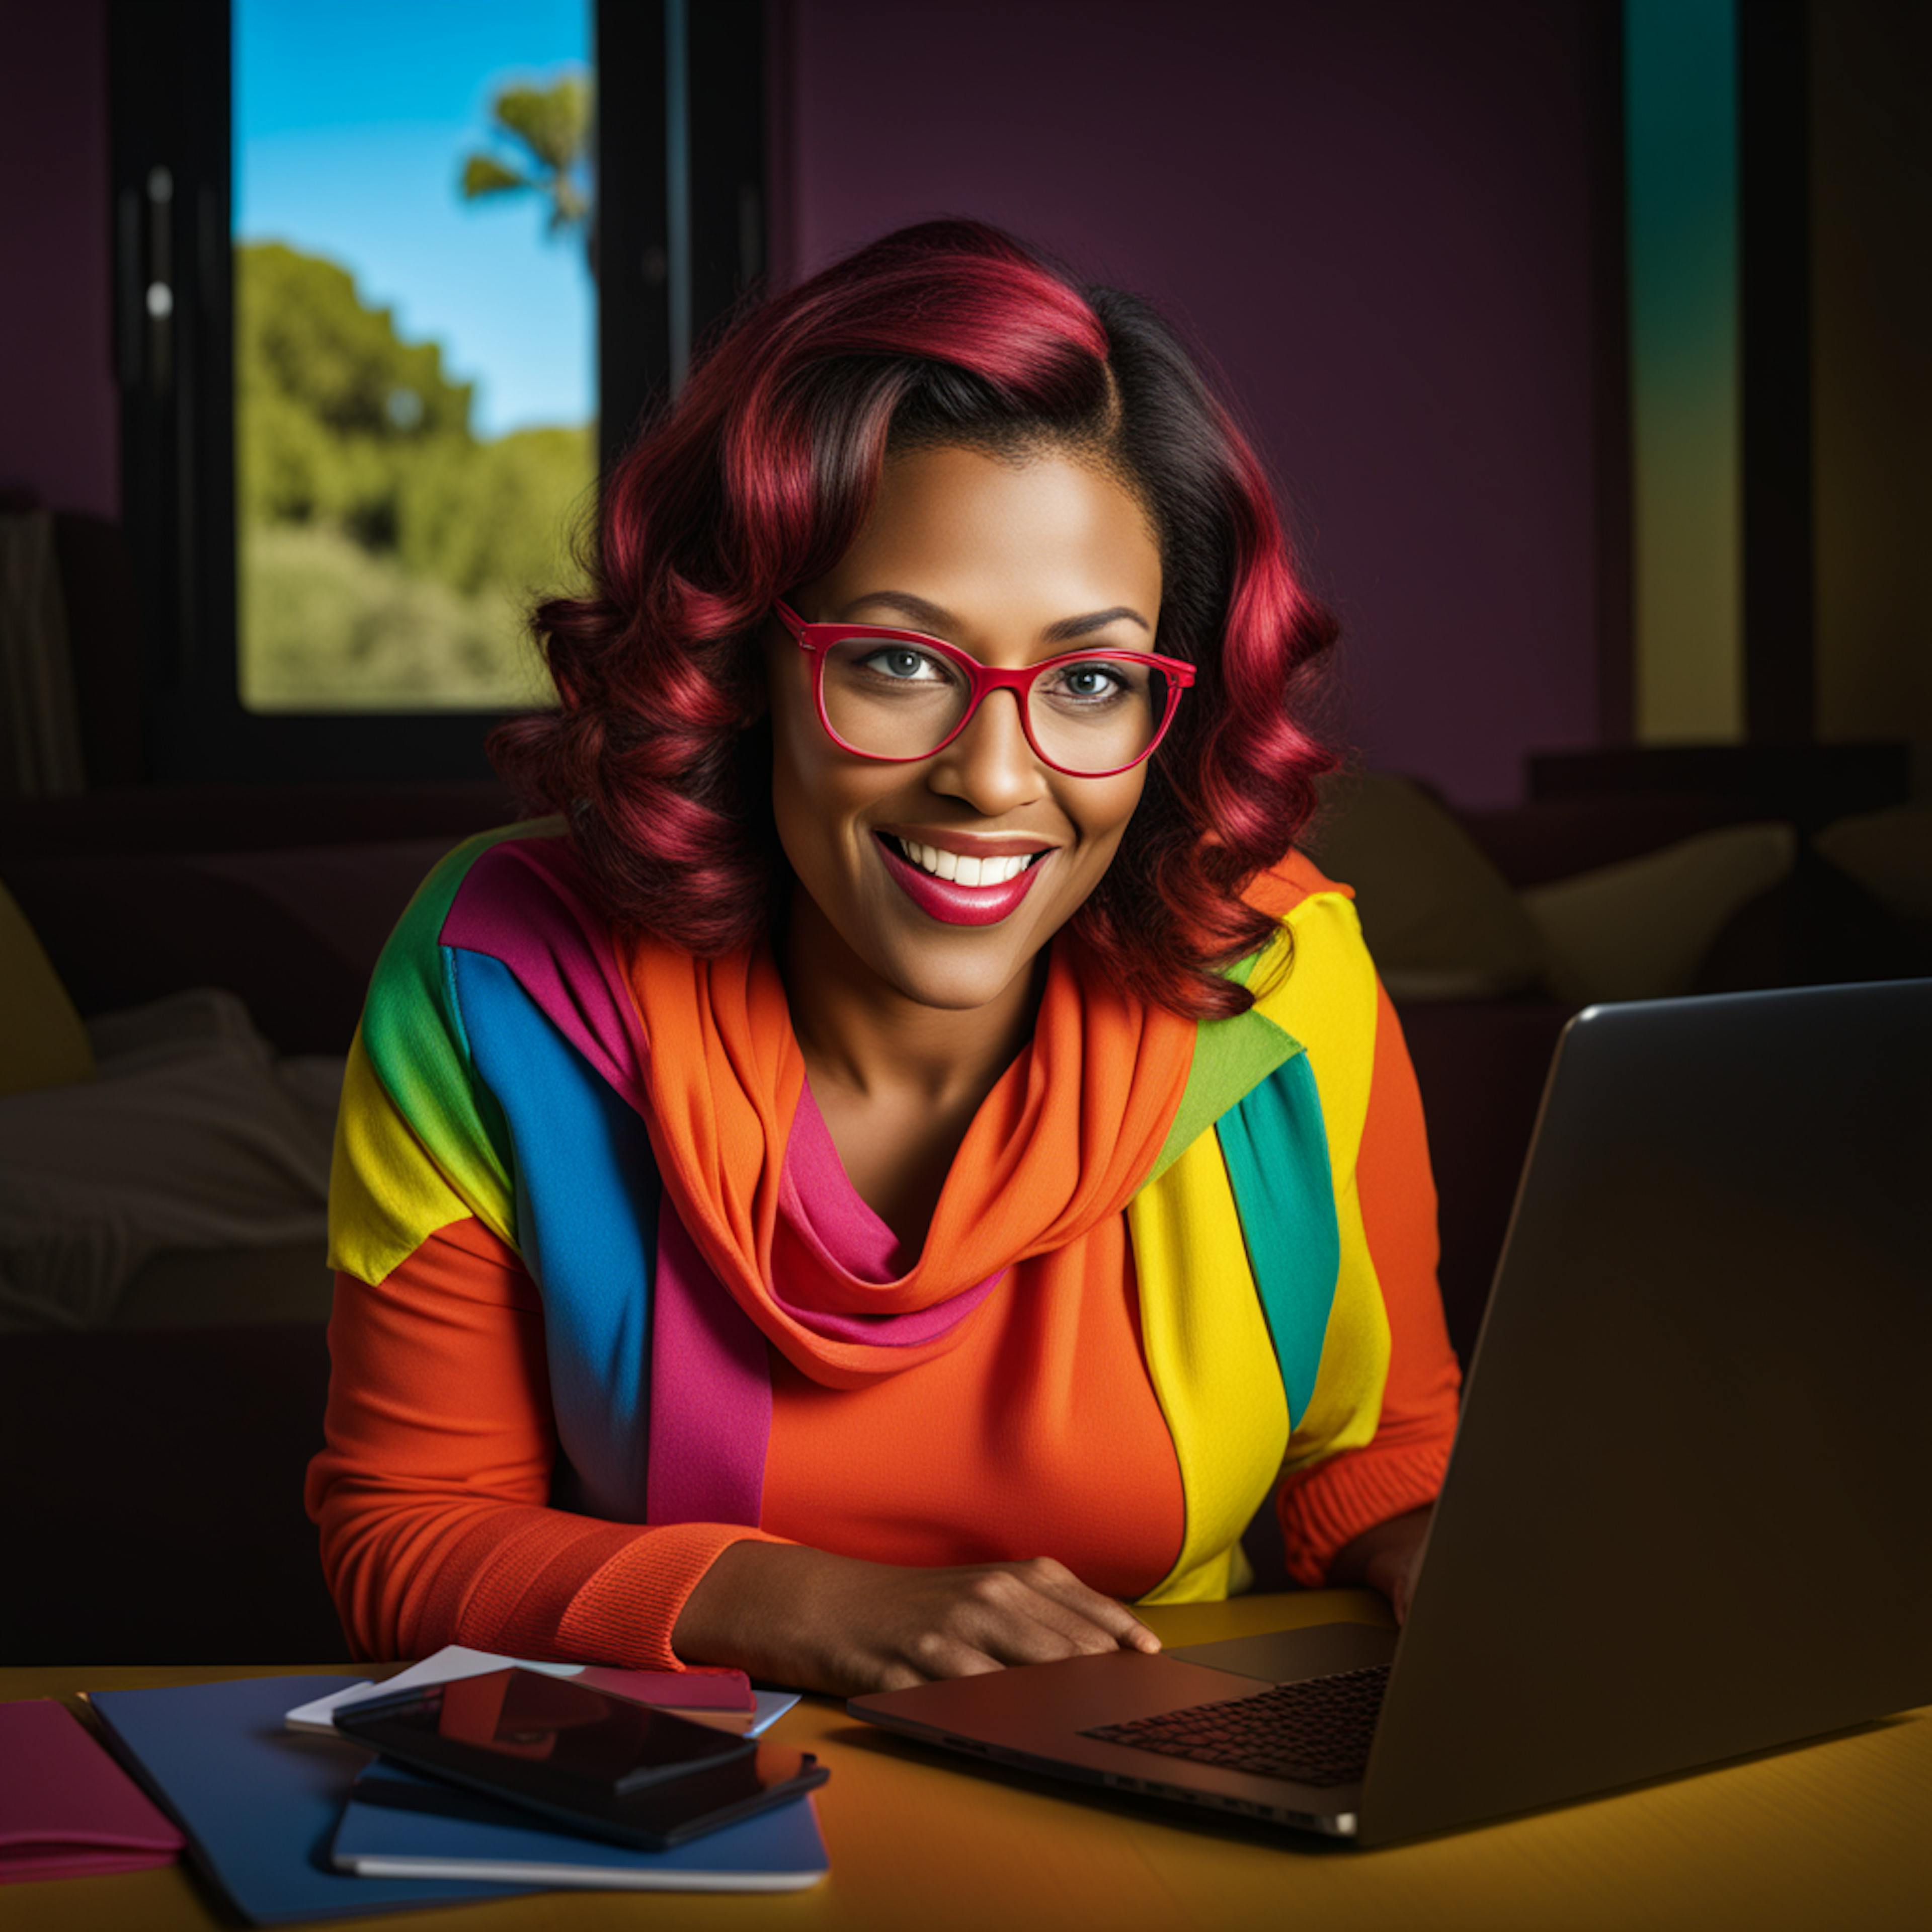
{"points": [[760, 477]]}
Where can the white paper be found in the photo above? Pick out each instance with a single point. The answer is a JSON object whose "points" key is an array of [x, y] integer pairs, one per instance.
{"points": [[453, 1661]]}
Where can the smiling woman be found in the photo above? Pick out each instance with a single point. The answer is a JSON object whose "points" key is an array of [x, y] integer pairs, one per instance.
{"points": [[910, 1156]]}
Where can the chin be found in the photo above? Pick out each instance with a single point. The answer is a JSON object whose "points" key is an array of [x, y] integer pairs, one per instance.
{"points": [[951, 992], [958, 990]]}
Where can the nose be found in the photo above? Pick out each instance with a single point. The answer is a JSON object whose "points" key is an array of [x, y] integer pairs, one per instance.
{"points": [[990, 764]]}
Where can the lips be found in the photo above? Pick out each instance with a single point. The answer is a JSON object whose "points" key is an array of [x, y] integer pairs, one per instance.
{"points": [[954, 903]]}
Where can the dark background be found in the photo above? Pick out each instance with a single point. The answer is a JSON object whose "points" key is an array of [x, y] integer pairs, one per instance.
{"points": [[1399, 231]]}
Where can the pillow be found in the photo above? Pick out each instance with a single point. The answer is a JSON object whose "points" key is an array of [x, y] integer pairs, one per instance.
{"points": [[194, 1135], [1889, 853], [42, 1041], [1441, 921], [1640, 930]]}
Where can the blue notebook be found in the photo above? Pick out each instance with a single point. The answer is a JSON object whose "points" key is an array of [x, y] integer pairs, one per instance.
{"points": [[398, 1824], [259, 1803]]}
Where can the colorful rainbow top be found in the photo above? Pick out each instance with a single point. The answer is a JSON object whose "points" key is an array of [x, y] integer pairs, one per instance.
{"points": [[607, 1301]]}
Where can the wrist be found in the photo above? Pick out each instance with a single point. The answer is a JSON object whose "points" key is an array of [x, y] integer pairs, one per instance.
{"points": [[722, 1620], [1380, 1556]]}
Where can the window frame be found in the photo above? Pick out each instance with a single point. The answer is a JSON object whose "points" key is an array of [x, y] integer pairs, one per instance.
{"points": [[681, 202]]}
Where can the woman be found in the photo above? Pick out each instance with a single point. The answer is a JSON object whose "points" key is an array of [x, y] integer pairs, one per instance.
{"points": [[910, 1157]]}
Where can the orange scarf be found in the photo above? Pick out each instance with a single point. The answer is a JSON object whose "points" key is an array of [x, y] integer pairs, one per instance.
{"points": [[1068, 1133]]}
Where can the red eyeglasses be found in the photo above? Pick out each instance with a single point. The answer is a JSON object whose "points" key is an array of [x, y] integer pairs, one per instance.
{"points": [[897, 696]]}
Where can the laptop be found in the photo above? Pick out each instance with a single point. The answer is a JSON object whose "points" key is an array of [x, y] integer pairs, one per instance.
{"points": [[1687, 1514]]}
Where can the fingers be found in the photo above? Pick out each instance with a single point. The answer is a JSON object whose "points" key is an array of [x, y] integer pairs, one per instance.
{"points": [[1018, 1625], [894, 1628], [1058, 1585], [934, 1654], [1038, 1613]]}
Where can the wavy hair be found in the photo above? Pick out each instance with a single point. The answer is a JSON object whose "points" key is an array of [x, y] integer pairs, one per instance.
{"points": [[758, 478]]}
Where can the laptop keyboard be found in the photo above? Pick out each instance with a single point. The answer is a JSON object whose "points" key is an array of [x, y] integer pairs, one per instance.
{"points": [[1316, 1731]]}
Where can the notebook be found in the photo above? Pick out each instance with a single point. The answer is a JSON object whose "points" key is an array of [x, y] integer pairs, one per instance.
{"points": [[258, 1805], [67, 1809], [398, 1825]]}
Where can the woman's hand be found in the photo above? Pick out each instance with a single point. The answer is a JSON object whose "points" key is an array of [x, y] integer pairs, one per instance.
{"points": [[833, 1624], [1385, 1558]]}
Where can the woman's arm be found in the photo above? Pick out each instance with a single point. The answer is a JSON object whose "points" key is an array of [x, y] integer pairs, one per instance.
{"points": [[432, 1494], [432, 1497], [1360, 1516]]}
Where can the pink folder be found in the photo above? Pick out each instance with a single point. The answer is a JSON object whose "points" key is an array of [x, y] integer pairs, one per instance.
{"points": [[66, 1808]]}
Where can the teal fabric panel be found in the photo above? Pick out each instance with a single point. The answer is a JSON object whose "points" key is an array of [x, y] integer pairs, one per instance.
{"points": [[1276, 1147]]}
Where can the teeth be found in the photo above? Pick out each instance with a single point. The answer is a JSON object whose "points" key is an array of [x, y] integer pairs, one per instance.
{"points": [[965, 872]]}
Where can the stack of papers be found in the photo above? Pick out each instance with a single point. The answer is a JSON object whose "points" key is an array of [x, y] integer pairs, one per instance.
{"points": [[292, 1821]]}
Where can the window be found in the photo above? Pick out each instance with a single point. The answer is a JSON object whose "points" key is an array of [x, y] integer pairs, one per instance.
{"points": [[359, 403], [414, 356]]}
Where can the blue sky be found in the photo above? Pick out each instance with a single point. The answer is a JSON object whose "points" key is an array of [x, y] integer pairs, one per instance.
{"points": [[351, 120]]}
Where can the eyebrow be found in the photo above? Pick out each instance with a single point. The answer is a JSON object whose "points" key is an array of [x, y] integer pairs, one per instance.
{"points": [[931, 617]]}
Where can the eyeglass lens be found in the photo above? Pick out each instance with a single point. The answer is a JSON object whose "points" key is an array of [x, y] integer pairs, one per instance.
{"points": [[894, 700]]}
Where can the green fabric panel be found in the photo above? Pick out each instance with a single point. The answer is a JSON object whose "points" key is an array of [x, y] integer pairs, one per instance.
{"points": [[413, 1035], [1276, 1147], [1231, 1057]]}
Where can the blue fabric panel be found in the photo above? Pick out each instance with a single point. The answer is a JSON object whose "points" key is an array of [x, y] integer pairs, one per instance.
{"points": [[587, 1193], [1276, 1151]]}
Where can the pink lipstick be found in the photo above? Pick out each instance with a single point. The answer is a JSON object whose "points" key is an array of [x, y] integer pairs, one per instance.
{"points": [[957, 905]]}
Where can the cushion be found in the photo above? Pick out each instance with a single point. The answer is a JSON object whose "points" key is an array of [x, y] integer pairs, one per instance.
{"points": [[42, 1041], [194, 1135], [1889, 853], [1639, 930], [1441, 921]]}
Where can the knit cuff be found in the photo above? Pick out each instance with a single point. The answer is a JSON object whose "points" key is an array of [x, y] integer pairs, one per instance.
{"points": [[1324, 1509], [627, 1609]]}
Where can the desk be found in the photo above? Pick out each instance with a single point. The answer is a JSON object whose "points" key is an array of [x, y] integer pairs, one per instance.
{"points": [[1833, 1837]]}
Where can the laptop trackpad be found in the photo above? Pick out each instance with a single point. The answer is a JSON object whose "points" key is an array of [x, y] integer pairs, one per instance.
{"points": [[1286, 1657]]}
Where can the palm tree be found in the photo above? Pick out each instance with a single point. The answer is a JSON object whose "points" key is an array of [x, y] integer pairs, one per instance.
{"points": [[548, 129]]}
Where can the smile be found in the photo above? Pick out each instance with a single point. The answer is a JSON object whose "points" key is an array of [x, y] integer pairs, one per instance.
{"points": [[962, 871], [979, 892]]}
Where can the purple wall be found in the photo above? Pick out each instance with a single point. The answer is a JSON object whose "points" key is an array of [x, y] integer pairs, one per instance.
{"points": [[1376, 217], [59, 431]]}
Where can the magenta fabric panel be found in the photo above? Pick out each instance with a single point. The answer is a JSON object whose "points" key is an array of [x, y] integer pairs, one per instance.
{"points": [[711, 1392], [525, 902], [825, 1226]]}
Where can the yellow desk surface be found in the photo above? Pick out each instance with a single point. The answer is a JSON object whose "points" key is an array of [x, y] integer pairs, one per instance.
{"points": [[1834, 1836]]}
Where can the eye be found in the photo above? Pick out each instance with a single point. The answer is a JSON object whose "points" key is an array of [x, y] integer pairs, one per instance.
{"points": [[900, 663], [1090, 681]]}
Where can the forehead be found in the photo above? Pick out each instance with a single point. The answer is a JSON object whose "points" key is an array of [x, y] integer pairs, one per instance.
{"points": [[1002, 541]]}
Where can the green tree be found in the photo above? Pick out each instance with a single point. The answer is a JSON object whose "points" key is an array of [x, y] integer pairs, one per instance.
{"points": [[389, 557], [333, 404], [497, 513], [547, 132]]}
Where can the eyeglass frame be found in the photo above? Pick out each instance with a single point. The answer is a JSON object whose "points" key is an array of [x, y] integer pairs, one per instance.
{"points": [[818, 639]]}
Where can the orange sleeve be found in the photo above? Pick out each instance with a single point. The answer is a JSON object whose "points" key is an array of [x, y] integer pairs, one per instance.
{"points": [[432, 1492], [1326, 1506]]}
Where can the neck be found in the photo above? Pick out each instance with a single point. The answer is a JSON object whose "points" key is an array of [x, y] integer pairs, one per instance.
{"points": [[859, 1032]]}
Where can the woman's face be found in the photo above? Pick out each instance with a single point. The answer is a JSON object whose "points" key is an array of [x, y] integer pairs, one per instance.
{"points": [[1003, 558]]}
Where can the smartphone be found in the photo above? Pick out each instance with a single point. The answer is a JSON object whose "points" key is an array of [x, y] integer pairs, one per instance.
{"points": [[596, 1762]]}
